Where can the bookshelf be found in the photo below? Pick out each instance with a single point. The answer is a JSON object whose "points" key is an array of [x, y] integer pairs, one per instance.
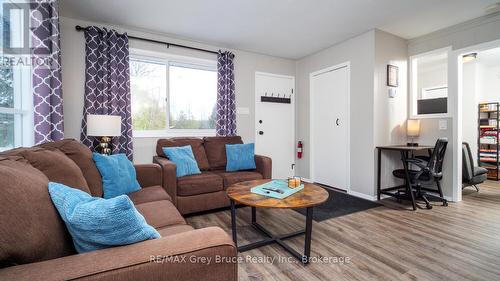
{"points": [[488, 138]]}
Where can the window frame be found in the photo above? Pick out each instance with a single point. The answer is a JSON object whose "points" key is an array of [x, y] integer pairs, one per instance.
{"points": [[22, 110], [174, 60], [414, 93]]}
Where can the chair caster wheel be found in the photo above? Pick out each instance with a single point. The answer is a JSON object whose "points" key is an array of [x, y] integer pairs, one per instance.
{"points": [[428, 206], [445, 203]]}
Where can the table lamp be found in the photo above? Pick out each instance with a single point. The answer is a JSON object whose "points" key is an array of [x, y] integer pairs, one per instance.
{"points": [[104, 127], [412, 131]]}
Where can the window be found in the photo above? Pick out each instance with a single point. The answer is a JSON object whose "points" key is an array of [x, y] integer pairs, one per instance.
{"points": [[172, 95], [429, 84], [16, 101]]}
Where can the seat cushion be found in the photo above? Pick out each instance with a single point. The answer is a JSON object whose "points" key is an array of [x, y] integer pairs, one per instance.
{"points": [[31, 229], [57, 167], [479, 171], [96, 223], [215, 147], [195, 143], [205, 182], [231, 178], [160, 213], [149, 194], [82, 156], [400, 173], [174, 229]]}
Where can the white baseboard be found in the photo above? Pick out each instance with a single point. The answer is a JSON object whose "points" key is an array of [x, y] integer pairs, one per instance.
{"points": [[362, 195]]}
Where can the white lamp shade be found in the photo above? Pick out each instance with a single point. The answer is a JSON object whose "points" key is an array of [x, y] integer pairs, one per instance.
{"points": [[104, 125], [413, 128]]}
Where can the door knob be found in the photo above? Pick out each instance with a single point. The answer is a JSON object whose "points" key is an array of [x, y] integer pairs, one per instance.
{"points": [[261, 133], [337, 122]]}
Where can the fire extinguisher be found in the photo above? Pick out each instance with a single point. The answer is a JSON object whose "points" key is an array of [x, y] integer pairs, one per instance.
{"points": [[299, 149]]}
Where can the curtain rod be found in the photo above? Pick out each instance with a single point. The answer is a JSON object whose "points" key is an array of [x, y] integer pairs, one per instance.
{"points": [[80, 28]]}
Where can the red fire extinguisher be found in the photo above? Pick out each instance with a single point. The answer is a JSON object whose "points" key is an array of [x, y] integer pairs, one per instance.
{"points": [[299, 149]]}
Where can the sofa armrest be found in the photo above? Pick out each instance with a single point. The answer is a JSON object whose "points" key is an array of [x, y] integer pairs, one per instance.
{"points": [[169, 176], [264, 166], [149, 174], [176, 257]]}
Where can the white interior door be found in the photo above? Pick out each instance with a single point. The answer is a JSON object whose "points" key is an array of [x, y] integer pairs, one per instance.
{"points": [[275, 122], [330, 126]]}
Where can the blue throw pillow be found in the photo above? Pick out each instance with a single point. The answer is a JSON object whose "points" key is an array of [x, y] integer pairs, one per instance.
{"points": [[184, 159], [240, 157], [118, 174], [96, 223]]}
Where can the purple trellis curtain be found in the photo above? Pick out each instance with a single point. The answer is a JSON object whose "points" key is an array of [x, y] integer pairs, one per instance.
{"points": [[46, 77], [226, 103], [107, 84]]}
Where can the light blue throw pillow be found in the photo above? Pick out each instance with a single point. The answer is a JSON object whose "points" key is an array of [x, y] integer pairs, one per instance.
{"points": [[240, 157], [118, 174], [96, 223], [183, 158]]}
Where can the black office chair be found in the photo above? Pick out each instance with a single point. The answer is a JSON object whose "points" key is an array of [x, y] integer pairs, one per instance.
{"points": [[471, 175], [428, 172]]}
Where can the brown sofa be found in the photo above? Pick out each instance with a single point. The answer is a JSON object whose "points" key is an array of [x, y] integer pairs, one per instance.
{"points": [[35, 244], [205, 191]]}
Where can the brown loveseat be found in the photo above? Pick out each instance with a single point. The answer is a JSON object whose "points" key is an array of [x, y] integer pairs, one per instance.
{"points": [[205, 191], [35, 244]]}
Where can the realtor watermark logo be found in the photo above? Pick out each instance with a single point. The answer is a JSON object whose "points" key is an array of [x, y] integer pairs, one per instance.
{"points": [[217, 259], [27, 29]]}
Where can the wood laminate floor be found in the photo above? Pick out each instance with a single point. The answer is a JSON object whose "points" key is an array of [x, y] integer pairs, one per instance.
{"points": [[458, 242]]}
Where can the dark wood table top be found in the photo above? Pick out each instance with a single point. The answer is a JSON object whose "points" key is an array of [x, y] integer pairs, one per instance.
{"points": [[404, 147], [310, 196]]}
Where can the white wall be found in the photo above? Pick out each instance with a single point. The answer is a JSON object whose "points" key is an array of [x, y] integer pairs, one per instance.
{"points": [[390, 114], [470, 105], [488, 82], [474, 32], [73, 64]]}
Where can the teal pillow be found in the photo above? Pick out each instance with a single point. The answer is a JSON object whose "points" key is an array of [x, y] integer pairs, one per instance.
{"points": [[96, 223], [240, 157], [118, 174], [183, 158]]}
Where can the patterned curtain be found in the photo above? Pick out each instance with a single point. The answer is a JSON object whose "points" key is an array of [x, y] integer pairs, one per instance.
{"points": [[46, 77], [226, 103], [107, 84]]}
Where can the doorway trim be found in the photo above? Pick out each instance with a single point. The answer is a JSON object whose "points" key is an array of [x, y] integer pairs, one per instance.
{"points": [[347, 65], [293, 108], [456, 82]]}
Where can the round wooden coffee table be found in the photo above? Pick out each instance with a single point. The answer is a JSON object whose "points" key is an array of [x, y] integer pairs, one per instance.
{"points": [[312, 195]]}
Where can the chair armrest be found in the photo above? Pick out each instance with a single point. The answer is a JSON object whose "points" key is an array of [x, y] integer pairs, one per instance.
{"points": [[422, 164], [149, 174], [169, 176], [264, 166], [166, 258]]}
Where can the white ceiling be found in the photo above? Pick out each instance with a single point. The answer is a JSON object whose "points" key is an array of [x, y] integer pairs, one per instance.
{"points": [[284, 28]]}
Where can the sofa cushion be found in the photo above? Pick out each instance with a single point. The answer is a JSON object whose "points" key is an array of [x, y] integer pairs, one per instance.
{"points": [[195, 143], [160, 213], [215, 148], [174, 229], [82, 156], [184, 160], [231, 178], [149, 194], [240, 157], [205, 182], [30, 227], [57, 167]]}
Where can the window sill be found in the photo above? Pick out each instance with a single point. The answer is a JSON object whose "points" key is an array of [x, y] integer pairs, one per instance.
{"points": [[173, 133], [431, 116]]}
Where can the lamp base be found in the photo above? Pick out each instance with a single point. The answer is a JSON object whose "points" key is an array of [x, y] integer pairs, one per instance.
{"points": [[412, 144], [105, 145]]}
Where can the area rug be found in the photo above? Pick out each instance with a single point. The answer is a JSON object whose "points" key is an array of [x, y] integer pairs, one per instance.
{"points": [[339, 204]]}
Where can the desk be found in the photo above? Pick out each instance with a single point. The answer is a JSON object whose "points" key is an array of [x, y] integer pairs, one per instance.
{"points": [[404, 150]]}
